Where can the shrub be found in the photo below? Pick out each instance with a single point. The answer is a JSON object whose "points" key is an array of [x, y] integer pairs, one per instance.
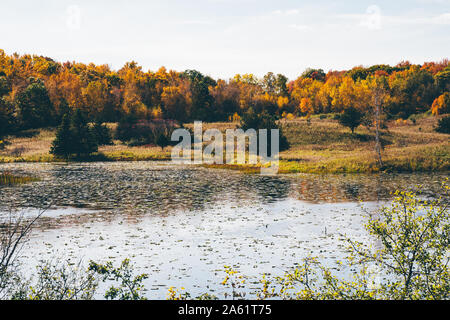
{"points": [[351, 118], [144, 132], [74, 137], [102, 134], [263, 120], [162, 140], [443, 125], [413, 252]]}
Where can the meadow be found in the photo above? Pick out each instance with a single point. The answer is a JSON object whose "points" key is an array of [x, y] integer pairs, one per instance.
{"points": [[317, 145]]}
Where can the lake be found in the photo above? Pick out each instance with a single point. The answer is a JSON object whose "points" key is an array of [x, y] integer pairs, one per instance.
{"points": [[182, 224]]}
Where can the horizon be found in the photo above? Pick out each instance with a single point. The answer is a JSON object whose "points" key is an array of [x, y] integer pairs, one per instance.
{"points": [[223, 38], [217, 78]]}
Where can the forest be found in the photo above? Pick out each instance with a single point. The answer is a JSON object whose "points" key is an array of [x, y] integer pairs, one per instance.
{"points": [[37, 91]]}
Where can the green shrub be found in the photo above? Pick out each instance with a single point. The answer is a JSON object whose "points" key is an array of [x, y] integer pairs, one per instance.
{"points": [[351, 118], [263, 120], [74, 137], [443, 125], [102, 134]]}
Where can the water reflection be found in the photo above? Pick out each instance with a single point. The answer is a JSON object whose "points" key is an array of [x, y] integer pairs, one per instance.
{"points": [[162, 188], [182, 224], [351, 188]]}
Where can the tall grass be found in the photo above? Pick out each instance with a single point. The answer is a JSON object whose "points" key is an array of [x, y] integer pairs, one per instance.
{"points": [[7, 179]]}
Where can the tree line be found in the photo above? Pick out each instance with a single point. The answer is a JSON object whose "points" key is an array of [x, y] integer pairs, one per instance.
{"points": [[38, 91]]}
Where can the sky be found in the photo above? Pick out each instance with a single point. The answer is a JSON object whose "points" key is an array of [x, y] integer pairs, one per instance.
{"points": [[224, 37]]}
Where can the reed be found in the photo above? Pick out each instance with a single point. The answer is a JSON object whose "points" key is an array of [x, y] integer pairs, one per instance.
{"points": [[7, 179]]}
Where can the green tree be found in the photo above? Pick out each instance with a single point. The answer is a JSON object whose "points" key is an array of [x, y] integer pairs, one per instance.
{"points": [[443, 79], [351, 118], [84, 141], [102, 134], [268, 83], [7, 118], [202, 100], [4, 86], [444, 125], [63, 143], [74, 137], [35, 110], [162, 140], [281, 85], [263, 120]]}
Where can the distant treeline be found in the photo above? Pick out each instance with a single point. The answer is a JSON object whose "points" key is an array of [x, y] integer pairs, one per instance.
{"points": [[37, 91]]}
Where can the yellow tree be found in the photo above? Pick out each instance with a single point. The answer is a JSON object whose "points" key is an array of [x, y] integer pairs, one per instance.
{"points": [[441, 105], [306, 106], [65, 86]]}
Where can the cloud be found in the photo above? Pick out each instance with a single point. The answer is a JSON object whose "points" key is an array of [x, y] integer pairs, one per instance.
{"points": [[441, 19], [289, 12], [195, 22], [300, 27], [374, 19]]}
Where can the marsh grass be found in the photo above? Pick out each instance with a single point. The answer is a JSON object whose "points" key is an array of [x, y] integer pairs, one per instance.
{"points": [[7, 179]]}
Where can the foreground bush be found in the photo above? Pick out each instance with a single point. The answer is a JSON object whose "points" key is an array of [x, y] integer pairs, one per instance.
{"points": [[410, 263]]}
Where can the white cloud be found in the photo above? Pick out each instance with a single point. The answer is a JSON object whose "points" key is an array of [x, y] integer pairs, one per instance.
{"points": [[300, 27], [441, 19], [195, 22], [289, 12]]}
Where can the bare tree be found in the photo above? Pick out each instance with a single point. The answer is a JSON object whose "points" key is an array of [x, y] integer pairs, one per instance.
{"points": [[379, 94], [377, 127], [14, 231]]}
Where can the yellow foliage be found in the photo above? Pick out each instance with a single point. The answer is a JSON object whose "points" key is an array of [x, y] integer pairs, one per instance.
{"points": [[282, 101], [290, 116], [306, 106], [157, 113], [441, 105]]}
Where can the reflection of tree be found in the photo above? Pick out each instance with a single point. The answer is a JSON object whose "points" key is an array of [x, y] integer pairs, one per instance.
{"points": [[135, 189], [270, 189], [343, 188], [352, 190]]}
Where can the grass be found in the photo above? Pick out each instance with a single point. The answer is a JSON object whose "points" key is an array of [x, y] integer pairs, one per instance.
{"points": [[320, 146], [324, 146], [7, 179]]}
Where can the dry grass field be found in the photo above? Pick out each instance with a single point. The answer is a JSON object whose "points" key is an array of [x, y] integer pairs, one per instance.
{"points": [[318, 146]]}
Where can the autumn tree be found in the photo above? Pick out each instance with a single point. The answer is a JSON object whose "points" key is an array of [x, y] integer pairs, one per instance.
{"points": [[226, 99], [441, 105], [306, 106], [175, 103], [42, 90]]}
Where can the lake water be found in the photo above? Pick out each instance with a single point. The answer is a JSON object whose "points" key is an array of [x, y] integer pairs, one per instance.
{"points": [[182, 224]]}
